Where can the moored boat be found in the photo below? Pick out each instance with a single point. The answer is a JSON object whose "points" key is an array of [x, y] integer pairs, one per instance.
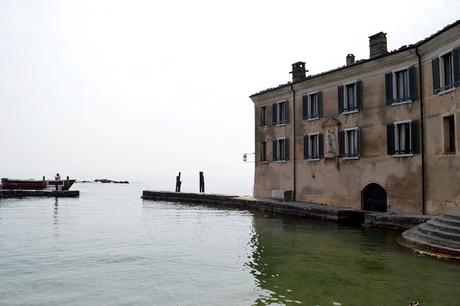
{"points": [[17, 184]]}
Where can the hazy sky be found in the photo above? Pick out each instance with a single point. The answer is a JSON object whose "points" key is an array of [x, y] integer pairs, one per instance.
{"points": [[103, 88]]}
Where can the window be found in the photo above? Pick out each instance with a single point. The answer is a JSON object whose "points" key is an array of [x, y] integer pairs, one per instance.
{"points": [[263, 116], [263, 151], [449, 134], [313, 146], [281, 149], [402, 138], [312, 106], [349, 141], [400, 86], [280, 113], [350, 97], [446, 71]]}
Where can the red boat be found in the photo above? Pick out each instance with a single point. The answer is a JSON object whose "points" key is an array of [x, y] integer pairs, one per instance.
{"points": [[35, 184]]}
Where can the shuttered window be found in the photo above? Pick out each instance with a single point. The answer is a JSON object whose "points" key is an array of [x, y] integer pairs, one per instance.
{"points": [[446, 71], [350, 143], [313, 146], [281, 149], [400, 86], [403, 138], [312, 106], [280, 113], [350, 97]]}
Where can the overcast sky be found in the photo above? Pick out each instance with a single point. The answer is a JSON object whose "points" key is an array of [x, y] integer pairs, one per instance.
{"points": [[110, 88]]}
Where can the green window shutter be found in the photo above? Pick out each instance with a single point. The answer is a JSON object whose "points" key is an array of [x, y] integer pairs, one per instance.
{"points": [[305, 106], [412, 83], [358, 141], [286, 144], [275, 149], [305, 146], [286, 111], [320, 104], [456, 58], [274, 113], [359, 94], [321, 145], [340, 98], [389, 88], [390, 139], [341, 143], [436, 80], [415, 139]]}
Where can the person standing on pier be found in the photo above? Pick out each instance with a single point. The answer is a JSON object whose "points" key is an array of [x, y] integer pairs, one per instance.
{"points": [[57, 178]]}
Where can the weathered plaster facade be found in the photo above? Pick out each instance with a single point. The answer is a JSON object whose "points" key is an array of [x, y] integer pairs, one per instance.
{"points": [[339, 181]]}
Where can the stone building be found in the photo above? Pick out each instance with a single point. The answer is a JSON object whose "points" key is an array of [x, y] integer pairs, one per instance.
{"points": [[377, 134]]}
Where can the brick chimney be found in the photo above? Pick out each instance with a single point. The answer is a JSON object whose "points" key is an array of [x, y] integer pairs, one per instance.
{"points": [[350, 59], [378, 44], [298, 72]]}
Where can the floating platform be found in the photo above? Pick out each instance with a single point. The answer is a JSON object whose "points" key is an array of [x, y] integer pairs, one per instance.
{"points": [[8, 194]]}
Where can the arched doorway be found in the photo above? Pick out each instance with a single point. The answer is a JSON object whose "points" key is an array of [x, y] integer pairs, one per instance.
{"points": [[374, 198]]}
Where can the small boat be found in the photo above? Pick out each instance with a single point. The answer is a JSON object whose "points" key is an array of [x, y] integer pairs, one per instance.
{"points": [[15, 184]]}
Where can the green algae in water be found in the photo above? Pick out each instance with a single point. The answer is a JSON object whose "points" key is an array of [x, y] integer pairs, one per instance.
{"points": [[319, 263]]}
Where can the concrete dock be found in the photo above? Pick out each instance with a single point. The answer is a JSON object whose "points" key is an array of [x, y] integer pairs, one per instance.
{"points": [[8, 194], [300, 209]]}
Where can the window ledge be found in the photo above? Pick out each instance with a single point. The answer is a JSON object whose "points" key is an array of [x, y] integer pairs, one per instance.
{"points": [[281, 124], [403, 155], [280, 161], [450, 153], [445, 91], [401, 102], [350, 157], [312, 119], [350, 112], [313, 159]]}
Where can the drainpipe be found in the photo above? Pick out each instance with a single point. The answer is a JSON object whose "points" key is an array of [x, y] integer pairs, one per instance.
{"points": [[293, 141], [422, 128]]}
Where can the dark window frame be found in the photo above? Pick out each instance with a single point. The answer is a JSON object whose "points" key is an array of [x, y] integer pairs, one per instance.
{"points": [[449, 134], [263, 151], [263, 116]]}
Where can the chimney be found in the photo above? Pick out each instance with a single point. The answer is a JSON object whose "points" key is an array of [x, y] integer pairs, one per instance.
{"points": [[350, 59], [298, 72], [378, 44]]}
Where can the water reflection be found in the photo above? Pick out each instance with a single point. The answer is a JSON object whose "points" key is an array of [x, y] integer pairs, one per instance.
{"points": [[316, 263]]}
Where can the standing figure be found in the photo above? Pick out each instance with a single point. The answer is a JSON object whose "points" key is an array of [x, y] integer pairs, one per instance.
{"points": [[178, 183], [201, 181], [57, 179]]}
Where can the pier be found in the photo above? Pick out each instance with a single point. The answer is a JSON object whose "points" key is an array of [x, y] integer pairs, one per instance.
{"points": [[9, 194], [299, 209]]}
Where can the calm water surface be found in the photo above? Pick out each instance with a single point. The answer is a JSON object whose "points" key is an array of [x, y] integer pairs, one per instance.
{"points": [[111, 248]]}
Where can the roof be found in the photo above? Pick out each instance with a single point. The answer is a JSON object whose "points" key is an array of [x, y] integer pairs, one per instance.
{"points": [[360, 62]]}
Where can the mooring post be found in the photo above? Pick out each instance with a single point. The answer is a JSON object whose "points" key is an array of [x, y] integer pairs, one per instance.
{"points": [[201, 181], [44, 182], [178, 183]]}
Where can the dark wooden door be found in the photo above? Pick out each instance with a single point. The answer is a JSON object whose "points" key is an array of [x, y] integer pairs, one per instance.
{"points": [[374, 198]]}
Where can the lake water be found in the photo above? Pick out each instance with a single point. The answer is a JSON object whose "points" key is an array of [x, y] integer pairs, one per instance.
{"points": [[109, 247]]}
